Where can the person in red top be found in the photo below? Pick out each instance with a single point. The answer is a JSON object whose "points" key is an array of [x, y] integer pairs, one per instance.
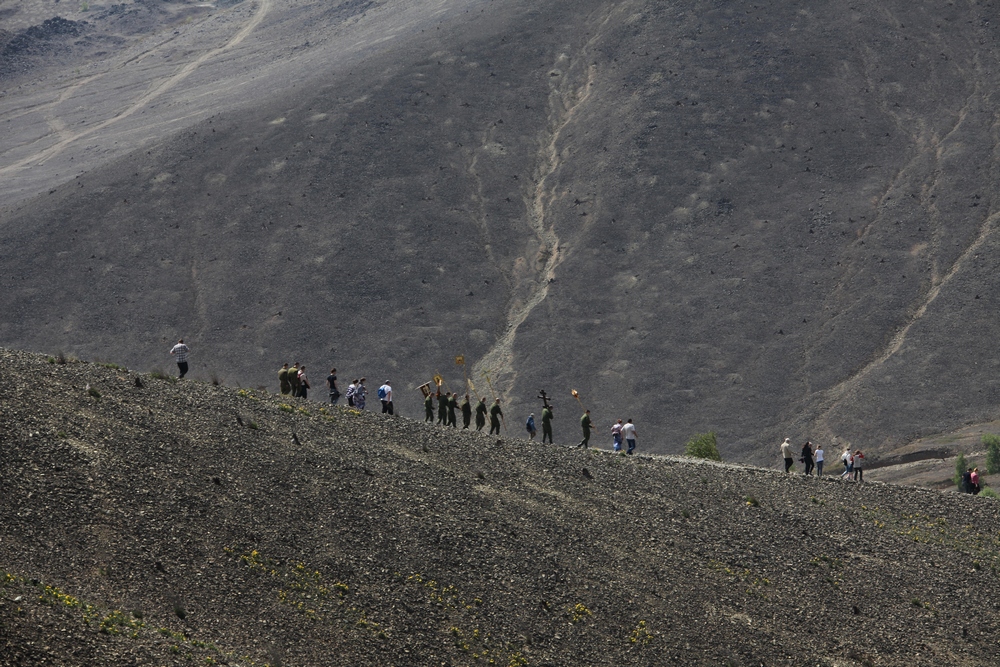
{"points": [[859, 465], [974, 482]]}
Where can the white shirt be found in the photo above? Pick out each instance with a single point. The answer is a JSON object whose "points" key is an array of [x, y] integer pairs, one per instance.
{"points": [[628, 430], [388, 392], [819, 455], [180, 351]]}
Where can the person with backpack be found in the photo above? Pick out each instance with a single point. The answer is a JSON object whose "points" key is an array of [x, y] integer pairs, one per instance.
{"points": [[293, 378], [848, 463], [331, 383], [304, 385], [385, 395], [360, 392], [180, 351], [351, 390], [530, 426], [283, 386], [616, 436]]}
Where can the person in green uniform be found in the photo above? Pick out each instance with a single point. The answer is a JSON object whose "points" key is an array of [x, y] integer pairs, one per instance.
{"points": [[495, 414], [481, 411], [429, 408], [443, 408], [586, 425], [284, 386], [466, 412], [452, 406], [547, 424], [293, 378]]}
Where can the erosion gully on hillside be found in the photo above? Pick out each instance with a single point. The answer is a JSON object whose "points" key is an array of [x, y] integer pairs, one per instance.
{"points": [[148, 521]]}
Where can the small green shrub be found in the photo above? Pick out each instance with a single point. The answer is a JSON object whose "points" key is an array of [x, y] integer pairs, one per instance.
{"points": [[992, 443], [252, 425], [158, 374], [93, 392], [989, 493], [703, 446], [960, 467]]}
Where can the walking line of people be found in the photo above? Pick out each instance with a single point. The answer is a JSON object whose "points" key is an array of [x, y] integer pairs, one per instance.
{"points": [[812, 457]]}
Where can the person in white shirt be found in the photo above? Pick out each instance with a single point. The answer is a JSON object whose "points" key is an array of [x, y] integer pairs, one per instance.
{"points": [[385, 395], [628, 432], [181, 352], [819, 460], [848, 463]]}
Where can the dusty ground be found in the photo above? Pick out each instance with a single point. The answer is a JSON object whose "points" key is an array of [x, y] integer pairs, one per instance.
{"points": [[763, 220], [150, 522]]}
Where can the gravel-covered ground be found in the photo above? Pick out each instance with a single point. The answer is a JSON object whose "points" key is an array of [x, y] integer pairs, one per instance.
{"points": [[154, 522]]}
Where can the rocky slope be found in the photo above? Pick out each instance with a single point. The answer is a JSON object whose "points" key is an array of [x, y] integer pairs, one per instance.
{"points": [[767, 220], [152, 522]]}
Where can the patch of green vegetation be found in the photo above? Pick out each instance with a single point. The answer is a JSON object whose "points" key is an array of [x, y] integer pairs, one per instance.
{"points": [[158, 374], [578, 612], [992, 444], [752, 501], [988, 493], [703, 446], [285, 407], [641, 634], [754, 583], [93, 392]]}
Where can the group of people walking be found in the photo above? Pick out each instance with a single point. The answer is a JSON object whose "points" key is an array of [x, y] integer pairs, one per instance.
{"points": [[812, 457]]}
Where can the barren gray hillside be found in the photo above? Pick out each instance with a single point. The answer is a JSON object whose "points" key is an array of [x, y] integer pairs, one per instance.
{"points": [[767, 220], [150, 522]]}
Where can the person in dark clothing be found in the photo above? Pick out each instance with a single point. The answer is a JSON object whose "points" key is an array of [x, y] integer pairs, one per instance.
{"points": [[807, 457], [429, 408], [481, 411], [586, 424], [547, 424], [331, 383], [293, 378], [466, 412], [452, 406], [495, 414], [443, 408]]}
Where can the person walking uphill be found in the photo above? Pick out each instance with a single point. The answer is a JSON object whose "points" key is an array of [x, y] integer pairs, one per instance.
{"points": [[331, 383], [360, 392], [385, 395], [481, 411], [284, 386], [628, 430], [443, 407], [429, 408], [466, 412], [495, 414], [304, 385], [181, 352], [586, 424], [807, 457], [293, 378], [616, 436], [547, 424], [786, 453], [452, 406], [530, 426]]}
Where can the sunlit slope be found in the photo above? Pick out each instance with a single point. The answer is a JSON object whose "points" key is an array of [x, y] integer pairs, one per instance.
{"points": [[764, 220]]}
